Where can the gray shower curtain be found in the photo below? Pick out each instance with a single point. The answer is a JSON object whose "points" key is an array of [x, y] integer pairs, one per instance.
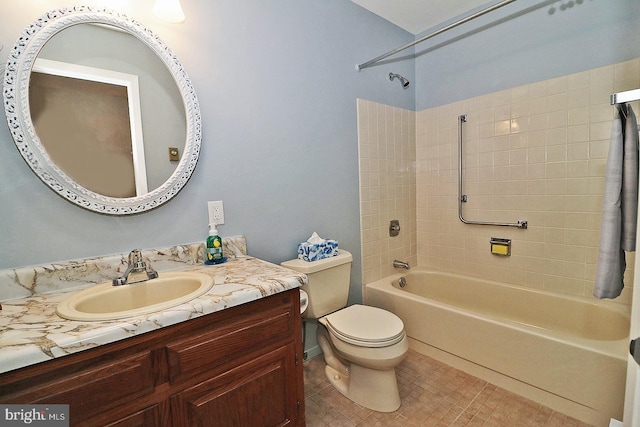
{"points": [[619, 206]]}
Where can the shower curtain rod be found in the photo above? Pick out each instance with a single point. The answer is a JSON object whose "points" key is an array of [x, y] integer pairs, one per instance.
{"points": [[627, 96], [435, 33]]}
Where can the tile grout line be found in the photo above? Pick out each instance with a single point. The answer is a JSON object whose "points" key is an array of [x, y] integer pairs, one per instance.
{"points": [[471, 403]]}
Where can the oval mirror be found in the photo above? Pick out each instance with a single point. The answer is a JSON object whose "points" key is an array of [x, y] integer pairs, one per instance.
{"points": [[102, 110]]}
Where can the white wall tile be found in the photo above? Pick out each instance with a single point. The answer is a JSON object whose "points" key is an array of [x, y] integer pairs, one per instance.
{"points": [[536, 152]]}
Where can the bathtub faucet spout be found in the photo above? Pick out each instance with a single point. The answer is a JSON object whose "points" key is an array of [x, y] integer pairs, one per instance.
{"points": [[400, 264]]}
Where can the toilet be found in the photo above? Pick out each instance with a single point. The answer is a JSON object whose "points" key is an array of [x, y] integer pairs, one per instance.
{"points": [[361, 345]]}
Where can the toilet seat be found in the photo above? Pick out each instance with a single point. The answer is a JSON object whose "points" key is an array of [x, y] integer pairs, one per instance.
{"points": [[365, 326]]}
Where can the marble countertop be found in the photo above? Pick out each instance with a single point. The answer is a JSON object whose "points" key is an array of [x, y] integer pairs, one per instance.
{"points": [[32, 332]]}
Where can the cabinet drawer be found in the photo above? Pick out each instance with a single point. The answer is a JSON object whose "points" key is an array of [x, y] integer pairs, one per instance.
{"points": [[92, 391], [236, 342]]}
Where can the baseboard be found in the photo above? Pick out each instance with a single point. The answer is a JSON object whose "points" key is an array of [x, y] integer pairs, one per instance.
{"points": [[312, 352]]}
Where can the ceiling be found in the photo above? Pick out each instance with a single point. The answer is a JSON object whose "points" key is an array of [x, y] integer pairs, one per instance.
{"points": [[417, 16]]}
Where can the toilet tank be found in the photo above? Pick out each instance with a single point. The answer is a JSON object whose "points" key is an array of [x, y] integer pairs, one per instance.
{"points": [[328, 286]]}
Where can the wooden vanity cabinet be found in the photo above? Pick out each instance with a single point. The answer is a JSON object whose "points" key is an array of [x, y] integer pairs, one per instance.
{"points": [[238, 367], [260, 385]]}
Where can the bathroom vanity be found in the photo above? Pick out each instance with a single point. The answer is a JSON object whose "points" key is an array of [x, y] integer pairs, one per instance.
{"points": [[239, 366], [234, 357]]}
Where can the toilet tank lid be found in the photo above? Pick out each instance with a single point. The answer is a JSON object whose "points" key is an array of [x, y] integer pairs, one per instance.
{"points": [[322, 264]]}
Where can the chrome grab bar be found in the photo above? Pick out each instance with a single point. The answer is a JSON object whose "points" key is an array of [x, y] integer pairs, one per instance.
{"points": [[462, 198]]}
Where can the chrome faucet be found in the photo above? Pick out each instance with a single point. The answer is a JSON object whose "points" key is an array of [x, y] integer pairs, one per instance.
{"points": [[400, 264], [137, 270]]}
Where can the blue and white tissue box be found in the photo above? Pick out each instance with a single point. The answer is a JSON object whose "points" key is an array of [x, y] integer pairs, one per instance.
{"points": [[316, 248]]}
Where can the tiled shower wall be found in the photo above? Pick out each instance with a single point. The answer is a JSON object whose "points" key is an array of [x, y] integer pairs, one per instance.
{"points": [[387, 151], [536, 153]]}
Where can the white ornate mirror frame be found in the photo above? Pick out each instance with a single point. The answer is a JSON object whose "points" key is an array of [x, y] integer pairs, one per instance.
{"points": [[16, 103]]}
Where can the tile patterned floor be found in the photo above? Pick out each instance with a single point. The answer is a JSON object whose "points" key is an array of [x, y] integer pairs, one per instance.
{"points": [[434, 395]]}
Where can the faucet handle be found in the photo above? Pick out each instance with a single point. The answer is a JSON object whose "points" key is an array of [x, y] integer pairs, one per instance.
{"points": [[136, 262], [135, 265], [135, 257]]}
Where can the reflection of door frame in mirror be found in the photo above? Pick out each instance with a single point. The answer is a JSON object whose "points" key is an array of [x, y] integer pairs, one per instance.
{"points": [[130, 83], [16, 103]]}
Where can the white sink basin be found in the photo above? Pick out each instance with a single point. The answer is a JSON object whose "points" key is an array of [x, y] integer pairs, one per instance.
{"points": [[108, 302]]}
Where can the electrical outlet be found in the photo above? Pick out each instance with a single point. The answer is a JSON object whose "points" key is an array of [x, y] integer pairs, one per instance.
{"points": [[216, 212]]}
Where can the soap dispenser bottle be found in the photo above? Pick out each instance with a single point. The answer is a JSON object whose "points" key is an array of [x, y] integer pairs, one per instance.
{"points": [[214, 246]]}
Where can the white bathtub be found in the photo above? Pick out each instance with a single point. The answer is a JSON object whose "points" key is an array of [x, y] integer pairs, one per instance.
{"points": [[567, 353]]}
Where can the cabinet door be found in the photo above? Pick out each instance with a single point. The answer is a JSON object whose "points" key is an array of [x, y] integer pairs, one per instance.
{"points": [[258, 393]]}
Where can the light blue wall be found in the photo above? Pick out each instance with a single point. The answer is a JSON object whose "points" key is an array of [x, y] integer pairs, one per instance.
{"points": [[524, 42], [277, 86]]}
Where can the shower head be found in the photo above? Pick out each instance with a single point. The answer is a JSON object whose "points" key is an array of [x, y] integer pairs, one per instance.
{"points": [[405, 82]]}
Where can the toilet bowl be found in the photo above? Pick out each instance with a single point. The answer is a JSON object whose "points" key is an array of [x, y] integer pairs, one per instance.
{"points": [[361, 345]]}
